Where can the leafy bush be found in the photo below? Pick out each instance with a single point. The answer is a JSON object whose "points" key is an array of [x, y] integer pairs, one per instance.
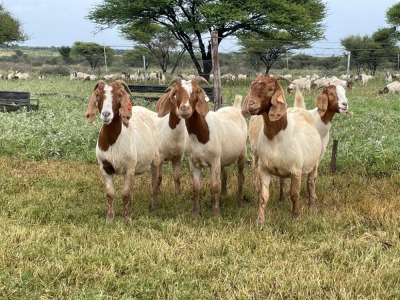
{"points": [[55, 71]]}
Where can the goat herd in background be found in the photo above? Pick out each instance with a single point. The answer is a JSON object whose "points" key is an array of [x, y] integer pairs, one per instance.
{"points": [[285, 142], [304, 83]]}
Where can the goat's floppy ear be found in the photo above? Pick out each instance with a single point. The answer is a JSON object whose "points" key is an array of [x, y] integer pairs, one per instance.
{"points": [[321, 101], [202, 106], [126, 87], [125, 110], [164, 105], [279, 106], [92, 107], [245, 110]]}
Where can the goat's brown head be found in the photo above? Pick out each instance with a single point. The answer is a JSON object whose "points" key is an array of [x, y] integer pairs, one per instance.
{"points": [[265, 96], [187, 96], [110, 100], [331, 99]]}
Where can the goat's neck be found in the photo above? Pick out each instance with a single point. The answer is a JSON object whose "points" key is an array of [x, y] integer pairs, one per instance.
{"points": [[328, 117], [272, 128], [109, 133], [173, 120], [197, 125]]}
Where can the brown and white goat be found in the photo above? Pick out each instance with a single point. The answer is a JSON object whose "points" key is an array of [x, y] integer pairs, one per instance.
{"points": [[330, 101], [127, 142], [288, 144], [172, 137], [216, 139]]}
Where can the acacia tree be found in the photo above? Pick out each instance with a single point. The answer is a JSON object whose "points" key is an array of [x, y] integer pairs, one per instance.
{"points": [[93, 53], [160, 42], [10, 29], [65, 52], [190, 20], [269, 49]]}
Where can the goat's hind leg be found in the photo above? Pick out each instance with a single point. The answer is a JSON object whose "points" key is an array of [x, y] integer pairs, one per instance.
{"points": [[311, 180], [241, 164]]}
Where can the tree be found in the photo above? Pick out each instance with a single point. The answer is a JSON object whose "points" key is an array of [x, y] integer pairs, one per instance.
{"points": [[160, 42], [65, 54], [93, 53], [369, 52], [269, 49], [190, 20], [10, 29], [393, 15]]}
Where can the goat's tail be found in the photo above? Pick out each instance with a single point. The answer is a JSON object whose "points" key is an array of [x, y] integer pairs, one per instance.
{"points": [[299, 99], [238, 101]]}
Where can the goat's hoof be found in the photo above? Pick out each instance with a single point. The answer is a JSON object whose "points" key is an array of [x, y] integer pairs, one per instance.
{"points": [[196, 215], [260, 221], [216, 211], [296, 215]]}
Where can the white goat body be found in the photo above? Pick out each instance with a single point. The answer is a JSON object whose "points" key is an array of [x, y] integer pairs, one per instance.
{"points": [[393, 87]]}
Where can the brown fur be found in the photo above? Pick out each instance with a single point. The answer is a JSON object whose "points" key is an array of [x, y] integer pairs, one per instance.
{"points": [[327, 103], [122, 108], [266, 98], [194, 115]]}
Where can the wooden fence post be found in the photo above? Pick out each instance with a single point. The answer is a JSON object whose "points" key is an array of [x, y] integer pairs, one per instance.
{"points": [[216, 70]]}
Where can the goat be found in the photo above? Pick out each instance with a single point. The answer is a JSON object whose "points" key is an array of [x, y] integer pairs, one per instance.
{"points": [[303, 83], [288, 143], [330, 101], [172, 139], [21, 76], [393, 87], [216, 139], [127, 142], [388, 77]]}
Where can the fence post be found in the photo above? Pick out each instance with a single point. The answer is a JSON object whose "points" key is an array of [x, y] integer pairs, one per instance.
{"points": [[216, 70]]}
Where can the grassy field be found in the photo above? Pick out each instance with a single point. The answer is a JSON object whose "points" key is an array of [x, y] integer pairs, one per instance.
{"points": [[56, 244]]}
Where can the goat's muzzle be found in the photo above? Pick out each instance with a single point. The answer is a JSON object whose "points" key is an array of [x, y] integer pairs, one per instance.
{"points": [[253, 106]]}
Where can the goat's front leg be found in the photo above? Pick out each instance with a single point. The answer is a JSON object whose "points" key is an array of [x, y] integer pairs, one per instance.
{"points": [[311, 179], [176, 169], [282, 188], [265, 180], [295, 193], [110, 194], [215, 187], [256, 175], [127, 194]]}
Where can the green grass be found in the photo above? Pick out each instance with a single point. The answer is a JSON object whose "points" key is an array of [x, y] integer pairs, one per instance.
{"points": [[56, 244]]}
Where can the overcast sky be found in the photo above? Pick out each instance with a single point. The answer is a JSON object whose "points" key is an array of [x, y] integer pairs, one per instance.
{"points": [[62, 22]]}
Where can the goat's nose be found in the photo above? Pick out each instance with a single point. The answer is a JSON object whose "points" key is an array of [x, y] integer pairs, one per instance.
{"points": [[106, 114]]}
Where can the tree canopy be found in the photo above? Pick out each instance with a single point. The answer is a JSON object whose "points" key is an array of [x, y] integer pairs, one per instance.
{"points": [[369, 52], [10, 29], [93, 53], [191, 20]]}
